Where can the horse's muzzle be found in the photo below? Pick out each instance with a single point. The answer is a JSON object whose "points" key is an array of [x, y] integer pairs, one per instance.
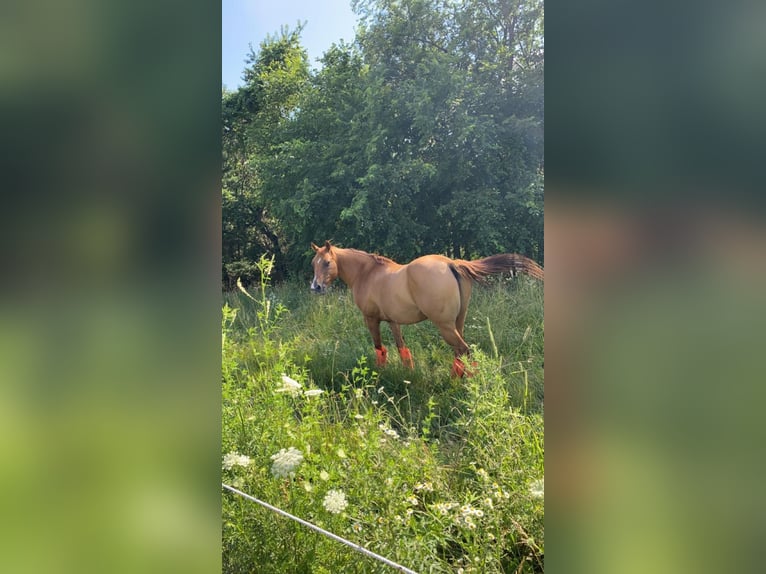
{"points": [[317, 288]]}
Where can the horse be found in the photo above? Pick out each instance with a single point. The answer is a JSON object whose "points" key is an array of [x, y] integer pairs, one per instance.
{"points": [[432, 287]]}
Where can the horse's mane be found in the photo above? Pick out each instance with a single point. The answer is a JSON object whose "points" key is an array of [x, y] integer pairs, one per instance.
{"points": [[379, 259]]}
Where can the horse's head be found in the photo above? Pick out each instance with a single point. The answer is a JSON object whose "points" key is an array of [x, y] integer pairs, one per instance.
{"points": [[325, 267]]}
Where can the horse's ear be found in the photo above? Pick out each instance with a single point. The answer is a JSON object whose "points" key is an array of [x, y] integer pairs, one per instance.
{"points": [[314, 247], [327, 244]]}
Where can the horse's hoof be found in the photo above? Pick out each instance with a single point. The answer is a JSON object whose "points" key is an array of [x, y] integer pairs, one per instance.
{"points": [[406, 356], [380, 356], [458, 369]]}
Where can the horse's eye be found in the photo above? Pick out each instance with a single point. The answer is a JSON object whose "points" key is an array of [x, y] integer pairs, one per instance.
{"points": [[326, 263]]}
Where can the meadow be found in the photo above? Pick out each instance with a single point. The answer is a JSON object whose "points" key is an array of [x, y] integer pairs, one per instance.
{"points": [[435, 473]]}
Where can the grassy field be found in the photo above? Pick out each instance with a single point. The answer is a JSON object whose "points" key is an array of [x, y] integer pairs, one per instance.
{"points": [[435, 473]]}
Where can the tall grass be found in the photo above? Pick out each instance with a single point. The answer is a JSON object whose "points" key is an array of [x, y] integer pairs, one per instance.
{"points": [[438, 474]]}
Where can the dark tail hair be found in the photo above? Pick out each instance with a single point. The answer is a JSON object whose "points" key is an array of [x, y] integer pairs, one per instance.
{"points": [[481, 268]]}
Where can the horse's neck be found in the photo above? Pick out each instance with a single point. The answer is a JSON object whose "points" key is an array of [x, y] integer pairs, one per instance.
{"points": [[352, 265]]}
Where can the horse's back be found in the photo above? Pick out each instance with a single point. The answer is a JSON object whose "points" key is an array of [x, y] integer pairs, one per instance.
{"points": [[430, 268]]}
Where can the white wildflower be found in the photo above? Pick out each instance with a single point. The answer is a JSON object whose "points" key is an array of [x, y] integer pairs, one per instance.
{"points": [[285, 462], [324, 475], [388, 431], [469, 511], [335, 501], [290, 386], [425, 486], [313, 392], [537, 488], [389, 481], [409, 512], [483, 474], [357, 527], [232, 459], [444, 508], [412, 500]]}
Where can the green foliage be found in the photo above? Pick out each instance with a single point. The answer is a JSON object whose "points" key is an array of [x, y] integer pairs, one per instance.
{"points": [[437, 473], [424, 135], [275, 79]]}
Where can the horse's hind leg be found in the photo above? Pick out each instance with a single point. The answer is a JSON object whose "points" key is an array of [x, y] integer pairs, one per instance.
{"points": [[450, 334], [404, 352], [381, 353]]}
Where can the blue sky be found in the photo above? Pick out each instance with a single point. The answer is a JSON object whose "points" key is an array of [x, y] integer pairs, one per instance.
{"points": [[250, 21]]}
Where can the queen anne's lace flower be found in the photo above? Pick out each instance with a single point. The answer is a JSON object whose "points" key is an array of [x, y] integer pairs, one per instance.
{"points": [[285, 462], [232, 459], [537, 488], [295, 389], [290, 386], [335, 501]]}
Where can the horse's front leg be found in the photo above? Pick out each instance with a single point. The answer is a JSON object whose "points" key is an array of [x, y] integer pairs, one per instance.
{"points": [[381, 353], [404, 352]]}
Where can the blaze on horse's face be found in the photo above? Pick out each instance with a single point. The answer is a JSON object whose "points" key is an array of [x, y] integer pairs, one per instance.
{"points": [[325, 268]]}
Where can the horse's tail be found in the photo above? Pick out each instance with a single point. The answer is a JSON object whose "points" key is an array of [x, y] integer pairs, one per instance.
{"points": [[481, 268]]}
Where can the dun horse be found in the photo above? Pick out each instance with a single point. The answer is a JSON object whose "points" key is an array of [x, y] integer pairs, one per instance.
{"points": [[431, 287]]}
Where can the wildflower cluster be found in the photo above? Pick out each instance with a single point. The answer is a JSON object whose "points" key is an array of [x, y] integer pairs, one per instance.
{"points": [[286, 461], [466, 515], [444, 508], [537, 488], [424, 487], [388, 431], [498, 493], [232, 459], [295, 389], [335, 501]]}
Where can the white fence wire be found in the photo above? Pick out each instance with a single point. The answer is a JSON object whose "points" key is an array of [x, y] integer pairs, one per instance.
{"points": [[335, 537]]}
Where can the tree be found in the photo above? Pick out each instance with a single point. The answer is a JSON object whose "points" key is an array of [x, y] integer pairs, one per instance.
{"points": [[424, 135], [274, 78]]}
